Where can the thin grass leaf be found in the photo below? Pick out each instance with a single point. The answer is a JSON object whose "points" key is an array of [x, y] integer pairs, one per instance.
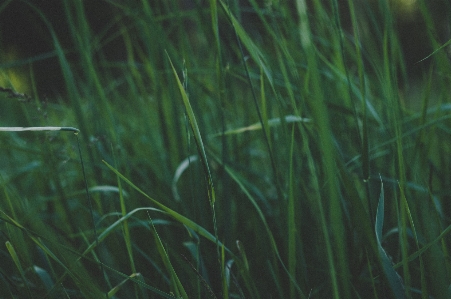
{"points": [[116, 288], [178, 217], [176, 283], [68, 270], [21, 129], [424, 291], [273, 122], [197, 136], [291, 228], [435, 51], [262, 217]]}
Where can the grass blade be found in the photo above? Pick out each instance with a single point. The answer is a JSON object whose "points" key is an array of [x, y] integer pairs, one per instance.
{"points": [[393, 278]]}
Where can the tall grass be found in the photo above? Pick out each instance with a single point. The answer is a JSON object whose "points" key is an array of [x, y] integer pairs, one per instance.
{"points": [[231, 151]]}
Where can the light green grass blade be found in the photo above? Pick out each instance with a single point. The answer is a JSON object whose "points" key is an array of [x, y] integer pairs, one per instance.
{"points": [[273, 122]]}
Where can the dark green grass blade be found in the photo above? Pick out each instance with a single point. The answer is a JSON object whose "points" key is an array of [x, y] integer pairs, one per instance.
{"points": [[68, 269], [236, 177], [177, 284], [393, 278], [178, 217], [197, 136], [15, 257]]}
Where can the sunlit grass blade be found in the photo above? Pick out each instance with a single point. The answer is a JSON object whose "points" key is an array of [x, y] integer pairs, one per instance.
{"points": [[273, 122]]}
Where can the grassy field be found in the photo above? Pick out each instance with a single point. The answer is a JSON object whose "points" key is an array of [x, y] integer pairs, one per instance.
{"points": [[276, 150]]}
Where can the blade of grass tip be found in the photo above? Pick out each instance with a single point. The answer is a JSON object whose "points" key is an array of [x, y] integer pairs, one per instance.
{"points": [[196, 132], [16, 260], [178, 288], [393, 278], [244, 271], [44, 276], [259, 58], [202, 155], [435, 52]]}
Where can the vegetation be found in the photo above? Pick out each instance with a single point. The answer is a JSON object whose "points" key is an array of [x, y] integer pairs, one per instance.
{"points": [[276, 150]]}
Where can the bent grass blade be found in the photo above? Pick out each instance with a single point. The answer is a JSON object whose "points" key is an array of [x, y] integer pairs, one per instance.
{"points": [[21, 129]]}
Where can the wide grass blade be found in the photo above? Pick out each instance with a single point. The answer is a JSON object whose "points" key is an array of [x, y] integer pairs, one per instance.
{"points": [[393, 278]]}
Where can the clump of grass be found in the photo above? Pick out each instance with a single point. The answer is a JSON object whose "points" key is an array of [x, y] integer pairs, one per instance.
{"points": [[230, 152]]}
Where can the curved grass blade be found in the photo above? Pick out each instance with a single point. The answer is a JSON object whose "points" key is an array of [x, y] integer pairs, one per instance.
{"points": [[178, 217], [67, 269]]}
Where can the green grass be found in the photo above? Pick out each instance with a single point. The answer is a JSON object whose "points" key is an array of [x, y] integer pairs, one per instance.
{"points": [[294, 156]]}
